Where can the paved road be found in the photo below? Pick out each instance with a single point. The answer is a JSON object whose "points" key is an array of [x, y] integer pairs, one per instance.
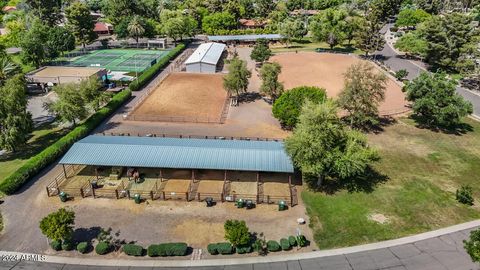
{"points": [[396, 63], [439, 253]]}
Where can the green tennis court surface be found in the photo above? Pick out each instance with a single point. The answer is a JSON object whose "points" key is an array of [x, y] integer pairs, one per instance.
{"points": [[119, 60]]}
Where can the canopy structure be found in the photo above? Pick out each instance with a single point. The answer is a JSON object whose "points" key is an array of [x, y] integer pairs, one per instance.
{"points": [[245, 38], [205, 58], [175, 153]]}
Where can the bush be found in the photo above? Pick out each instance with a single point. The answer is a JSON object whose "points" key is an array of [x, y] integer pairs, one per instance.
{"points": [[82, 247], [133, 250], [273, 246], [68, 245], [56, 245], [153, 70], [401, 74], [464, 195], [302, 241], [285, 244], [244, 249], [472, 245], [292, 240], [102, 248], [288, 106], [212, 249], [36, 163], [220, 248], [167, 249]]}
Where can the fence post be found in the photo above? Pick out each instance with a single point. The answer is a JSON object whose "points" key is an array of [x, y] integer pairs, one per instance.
{"points": [[93, 191], [116, 193], [48, 192], [81, 193], [128, 194], [186, 193], [164, 198], [198, 196], [151, 195], [223, 198], [268, 199]]}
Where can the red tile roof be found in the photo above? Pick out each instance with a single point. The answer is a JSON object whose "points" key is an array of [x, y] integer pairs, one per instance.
{"points": [[9, 8]]}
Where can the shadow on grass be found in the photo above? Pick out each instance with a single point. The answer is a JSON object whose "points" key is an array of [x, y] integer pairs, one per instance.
{"points": [[346, 49], [377, 128], [459, 129]]}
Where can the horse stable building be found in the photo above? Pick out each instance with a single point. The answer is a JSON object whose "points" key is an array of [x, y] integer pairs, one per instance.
{"points": [[176, 169]]}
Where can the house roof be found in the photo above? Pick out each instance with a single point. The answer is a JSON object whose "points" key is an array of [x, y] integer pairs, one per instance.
{"points": [[251, 23], [174, 153], [208, 53], [9, 8], [102, 27]]}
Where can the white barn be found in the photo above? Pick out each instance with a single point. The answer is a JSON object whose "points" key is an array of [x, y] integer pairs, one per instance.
{"points": [[205, 58]]}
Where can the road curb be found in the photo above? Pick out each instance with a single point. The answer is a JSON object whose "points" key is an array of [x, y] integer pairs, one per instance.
{"points": [[251, 260]]}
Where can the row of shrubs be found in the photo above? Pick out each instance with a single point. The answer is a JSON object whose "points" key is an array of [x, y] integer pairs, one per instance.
{"points": [[146, 76], [36, 163], [82, 247], [272, 246]]}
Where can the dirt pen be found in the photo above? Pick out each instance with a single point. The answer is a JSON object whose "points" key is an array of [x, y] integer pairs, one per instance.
{"points": [[185, 97], [327, 71]]}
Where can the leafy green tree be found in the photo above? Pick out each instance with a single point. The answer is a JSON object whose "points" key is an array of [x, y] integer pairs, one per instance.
{"points": [[472, 245], [236, 232], [15, 121], [401, 74], [15, 32], [236, 81], [263, 7], [91, 93], [329, 26], [363, 90], [33, 44], [435, 100], [135, 28], [292, 29], [261, 52], [49, 11], [70, 105], [81, 23], [412, 43], [117, 10], [288, 106], [176, 25], [270, 84], [59, 40], [411, 17], [212, 23], [323, 147], [58, 225]]}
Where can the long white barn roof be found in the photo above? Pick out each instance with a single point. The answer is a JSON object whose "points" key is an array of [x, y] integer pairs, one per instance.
{"points": [[208, 53]]}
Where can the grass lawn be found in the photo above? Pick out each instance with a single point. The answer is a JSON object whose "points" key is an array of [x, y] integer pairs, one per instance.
{"points": [[308, 45], [424, 169], [42, 137]]}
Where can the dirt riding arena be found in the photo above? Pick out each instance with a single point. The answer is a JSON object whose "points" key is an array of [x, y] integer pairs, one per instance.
{"points": [[327, 71], [184, 97]]}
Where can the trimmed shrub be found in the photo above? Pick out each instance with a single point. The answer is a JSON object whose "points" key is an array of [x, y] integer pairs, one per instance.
{"points": [[133, 250], [56, 245], [102, 248], [153, 70], [220, 248], [288, 106], [212, 249], [292, 240], [36, 163], [464, 195], [82, 247], [302, 241], [167, 249], [68, 245], [244, 249], [273, 246], [285, 244]]}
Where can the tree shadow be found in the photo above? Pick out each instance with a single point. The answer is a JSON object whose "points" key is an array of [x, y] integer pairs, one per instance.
{"points": [[459, 129], [86, 234], [248, 97], [375, 128]]}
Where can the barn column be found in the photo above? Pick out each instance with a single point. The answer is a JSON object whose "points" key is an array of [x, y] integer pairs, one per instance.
{"points": [[64, 171]]}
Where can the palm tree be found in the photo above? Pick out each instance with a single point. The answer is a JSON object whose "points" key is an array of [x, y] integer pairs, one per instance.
{"points": [[7, 69], [135, 28]]}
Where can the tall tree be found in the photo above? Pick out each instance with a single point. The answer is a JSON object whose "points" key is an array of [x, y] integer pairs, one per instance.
{"points": [[70, 105], [15, 122], [435, 100], [49, 11], [329, 26], [81, 23], [261, 52], [363, 90], [411, 17], [59, 40], [321, 146], [135, 28], [292, 29], [33, 44], [90, 90], [214, 22], [368, 37], [270, 84], [236, 81]]}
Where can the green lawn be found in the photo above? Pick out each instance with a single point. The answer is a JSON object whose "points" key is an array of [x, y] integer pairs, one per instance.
{"points": [[308, 45], [42, 137], [424, 169]]}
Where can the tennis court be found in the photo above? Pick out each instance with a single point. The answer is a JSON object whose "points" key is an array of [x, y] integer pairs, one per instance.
{"points": [[119, 60]]}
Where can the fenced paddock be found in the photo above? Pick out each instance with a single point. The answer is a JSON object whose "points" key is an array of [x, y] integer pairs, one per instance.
{"points": [[185, 97]]}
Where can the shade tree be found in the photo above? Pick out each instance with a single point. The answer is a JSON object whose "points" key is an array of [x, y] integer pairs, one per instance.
{"points": [[270, 85], [236, 81]]}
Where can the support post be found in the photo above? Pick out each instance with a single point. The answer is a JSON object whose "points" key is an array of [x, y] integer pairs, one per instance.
{"points": [[289, 180], [96, 172], [161, 175], [93, 191], [81, 193], [116, 193], [151, 195], [258, 187], [48, 192], [64, 171]]}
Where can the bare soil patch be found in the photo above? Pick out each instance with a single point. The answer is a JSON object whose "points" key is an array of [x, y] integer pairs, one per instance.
{"points": [[184, 97], [244, 188], [276, 189], [176, 185], [210, 186], [327, 71]]}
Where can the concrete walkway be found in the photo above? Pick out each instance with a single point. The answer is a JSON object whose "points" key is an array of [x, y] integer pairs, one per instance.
{"points": [[439, 250]]}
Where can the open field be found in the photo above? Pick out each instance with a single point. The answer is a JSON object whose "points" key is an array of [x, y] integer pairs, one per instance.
{"points": [[327, 71], [423, 170], [307, 44], [184, 97]]}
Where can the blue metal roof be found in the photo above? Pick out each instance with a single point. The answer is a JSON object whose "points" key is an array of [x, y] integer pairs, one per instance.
{"points": [[148, 152], [245, 37]]}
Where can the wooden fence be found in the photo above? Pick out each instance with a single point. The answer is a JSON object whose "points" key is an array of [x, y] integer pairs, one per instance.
{"points": [[55, 186]]}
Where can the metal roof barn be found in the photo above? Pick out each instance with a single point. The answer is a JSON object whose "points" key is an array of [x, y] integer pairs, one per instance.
{"points": [[175, 153], [205, 58]]}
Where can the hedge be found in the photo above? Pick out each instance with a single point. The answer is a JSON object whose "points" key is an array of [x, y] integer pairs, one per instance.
{"points": [[103, 248], [152, 71], [56, 245], [82, 247], [167, 249], [36, 163], [292, 240], [220, 248], [68, 245], [285, 244], [273, 246], [244, 249], [302, 241], [133, 250]]}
